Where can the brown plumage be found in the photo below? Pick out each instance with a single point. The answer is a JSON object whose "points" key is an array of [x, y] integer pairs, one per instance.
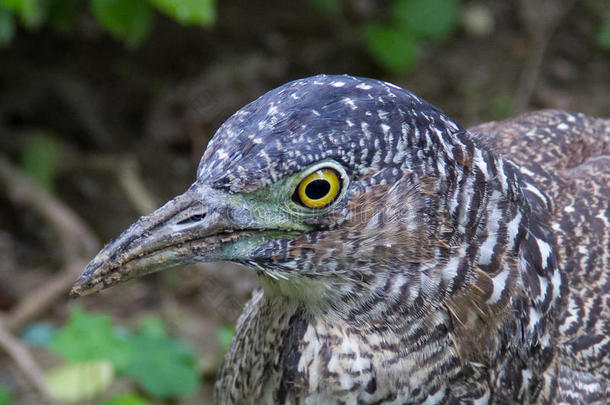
{"points": [[569, 156]]}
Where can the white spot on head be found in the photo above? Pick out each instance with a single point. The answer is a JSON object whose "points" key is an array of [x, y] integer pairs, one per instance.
{"points": [[363, 86], [337, 84], [350, 103], [272, 110]]}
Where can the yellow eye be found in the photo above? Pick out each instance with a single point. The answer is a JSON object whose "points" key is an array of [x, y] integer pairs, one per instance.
{"points": [[318, 189]]}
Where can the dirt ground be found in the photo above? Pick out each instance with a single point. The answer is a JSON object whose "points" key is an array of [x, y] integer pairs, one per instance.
{"points": [[131, 125]]}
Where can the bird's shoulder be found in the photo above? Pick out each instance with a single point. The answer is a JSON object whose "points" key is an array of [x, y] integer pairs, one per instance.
{"points": [[554, 139], [567, 155]]}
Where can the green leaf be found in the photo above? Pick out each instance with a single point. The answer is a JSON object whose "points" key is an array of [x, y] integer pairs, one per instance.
{"points": [[79, 382], [5, 396], [7, 26], [39, 160], [126, 399], [225, 336], [91, 337], [429, 19], [125, 20], [603, 37], [31, 12], [164, 367], [393, 48], [188, 12], [152, 326], [63, 14], [330, 7]]}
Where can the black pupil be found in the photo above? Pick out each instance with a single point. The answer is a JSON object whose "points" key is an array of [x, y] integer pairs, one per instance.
{"points": [[317, 189]]}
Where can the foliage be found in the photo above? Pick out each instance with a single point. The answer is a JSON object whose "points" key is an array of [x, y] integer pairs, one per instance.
{"points": [[89, 337], [31, 12], [331, 7], [603, 37], [394, 50], [76, 382], [197, 12], [225, 336], [39, 159], [395, 45], [7, 25], [5, 396], [426, 19], [129, 21], [162, 366], [126, 399]]}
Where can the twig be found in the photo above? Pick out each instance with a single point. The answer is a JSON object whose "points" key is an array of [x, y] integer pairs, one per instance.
{"points": [[78, 243], [43, 297], [133, 187], [542, 19], [75, 237], [28, 366], [126, 171]]}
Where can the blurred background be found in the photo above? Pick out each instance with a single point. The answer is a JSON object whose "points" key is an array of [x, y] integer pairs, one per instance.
{"points": [[106, 107]]}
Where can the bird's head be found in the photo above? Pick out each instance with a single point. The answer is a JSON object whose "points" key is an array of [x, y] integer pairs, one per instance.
{"points": [[329, 187]]}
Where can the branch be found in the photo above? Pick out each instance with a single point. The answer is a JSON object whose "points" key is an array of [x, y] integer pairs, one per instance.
{"points": [[130, 181], [78, 243], [542, 19], [75, 237], [28, 366]]}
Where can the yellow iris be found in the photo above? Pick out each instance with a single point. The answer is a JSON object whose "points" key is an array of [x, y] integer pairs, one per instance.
{"points": [[319, 188]]}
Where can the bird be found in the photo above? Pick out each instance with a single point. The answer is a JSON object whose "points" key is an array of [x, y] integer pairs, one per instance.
{"points": [[402, 258]]}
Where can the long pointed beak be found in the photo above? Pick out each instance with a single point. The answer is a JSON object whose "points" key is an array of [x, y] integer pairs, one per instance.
{"points": [[185, 230]]}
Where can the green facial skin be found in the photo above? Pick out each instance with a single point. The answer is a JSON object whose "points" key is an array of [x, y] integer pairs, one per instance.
{"points": [[203, 225]]}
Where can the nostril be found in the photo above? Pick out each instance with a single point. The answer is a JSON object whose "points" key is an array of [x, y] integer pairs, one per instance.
{"points": [[192, 219]]}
